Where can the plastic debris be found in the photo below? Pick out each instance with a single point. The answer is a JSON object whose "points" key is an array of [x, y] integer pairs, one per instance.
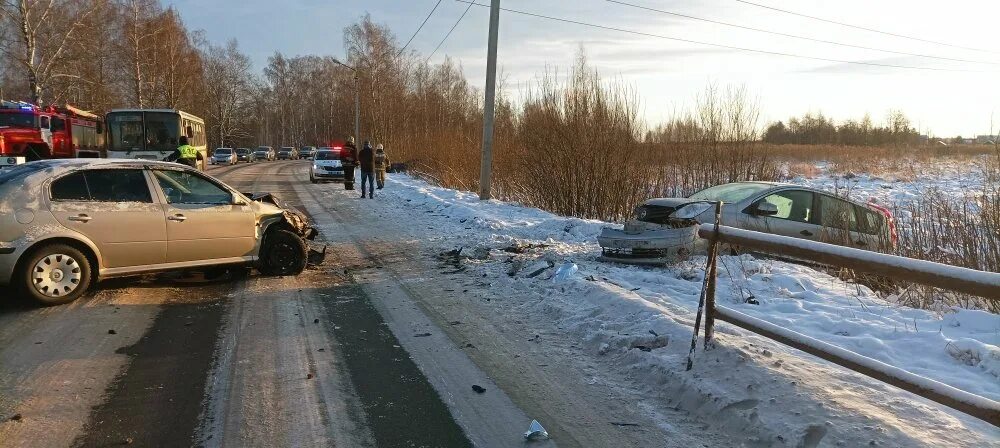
{"points": [[536, 431], [565, 272]]}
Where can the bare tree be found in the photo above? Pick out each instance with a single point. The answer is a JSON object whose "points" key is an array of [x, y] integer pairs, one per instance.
{"points": [[228, 84], [43, 32]]}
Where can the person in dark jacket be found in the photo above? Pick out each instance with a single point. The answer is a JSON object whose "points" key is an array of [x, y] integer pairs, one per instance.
{"points": [[366, 159], [349, 159]]}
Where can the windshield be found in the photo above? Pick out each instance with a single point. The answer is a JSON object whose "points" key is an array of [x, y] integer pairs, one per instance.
{"points": [[150, 131], [735, 192], [17, 120], [327, 155], [242, 151], [263, 149], [224, 151], [286, 149]]}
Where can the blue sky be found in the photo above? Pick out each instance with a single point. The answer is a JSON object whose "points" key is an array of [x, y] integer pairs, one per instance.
{"points": [[667, 75]]}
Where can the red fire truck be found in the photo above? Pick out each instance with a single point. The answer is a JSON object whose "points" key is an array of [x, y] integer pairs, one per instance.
{"points": [[29, 132]]}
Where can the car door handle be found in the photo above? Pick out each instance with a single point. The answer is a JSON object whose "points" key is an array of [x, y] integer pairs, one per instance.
{"points": [[80, 218], [806, 233], [178, 218]]}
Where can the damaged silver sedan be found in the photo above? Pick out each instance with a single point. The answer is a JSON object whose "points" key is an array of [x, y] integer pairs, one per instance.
{"points": [[664, 229], [65, 224]]}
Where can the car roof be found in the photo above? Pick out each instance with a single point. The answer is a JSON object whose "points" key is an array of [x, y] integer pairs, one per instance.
{"points": [[55, 167]]}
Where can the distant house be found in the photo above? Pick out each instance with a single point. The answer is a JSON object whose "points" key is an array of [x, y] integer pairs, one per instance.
{"points": [[969, 141], [986, 139]]}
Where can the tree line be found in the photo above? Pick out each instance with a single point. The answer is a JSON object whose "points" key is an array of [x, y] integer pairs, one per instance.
{"points": [[820, 130]]}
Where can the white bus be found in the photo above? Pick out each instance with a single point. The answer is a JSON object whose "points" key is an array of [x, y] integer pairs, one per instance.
{"points": [[153, 134]]}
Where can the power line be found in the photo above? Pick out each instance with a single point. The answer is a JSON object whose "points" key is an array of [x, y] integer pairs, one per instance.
{"points": [[865, 29], [777, 33], [730, 47], [401, 50], [467, 8]]}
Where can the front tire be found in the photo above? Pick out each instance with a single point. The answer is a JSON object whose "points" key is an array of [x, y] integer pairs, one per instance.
{"points": [[55, 274], [283, 253]]}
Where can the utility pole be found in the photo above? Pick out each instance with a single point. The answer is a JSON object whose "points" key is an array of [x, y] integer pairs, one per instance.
{"points": [[357, 103], [486, 166]]}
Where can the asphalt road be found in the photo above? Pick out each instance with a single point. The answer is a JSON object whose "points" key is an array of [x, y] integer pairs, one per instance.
{"points": [[244, 360]]}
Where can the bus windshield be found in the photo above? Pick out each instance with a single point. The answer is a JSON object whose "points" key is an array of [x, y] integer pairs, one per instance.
{"points": [[17, 120], [149, 131]]}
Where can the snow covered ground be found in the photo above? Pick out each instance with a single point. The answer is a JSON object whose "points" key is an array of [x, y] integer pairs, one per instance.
{"points": [[955, 178], [641, 318]]}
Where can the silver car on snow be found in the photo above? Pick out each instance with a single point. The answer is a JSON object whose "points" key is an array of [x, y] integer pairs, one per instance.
{"points": [[664, 228], [66, 223]]}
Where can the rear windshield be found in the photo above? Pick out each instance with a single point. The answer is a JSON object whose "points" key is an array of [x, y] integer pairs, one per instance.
{"points": [[328, 155], [224, 151], [734, 192]]}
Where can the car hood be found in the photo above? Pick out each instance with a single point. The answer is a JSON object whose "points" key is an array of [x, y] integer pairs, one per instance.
{"points": [[669, 202]]}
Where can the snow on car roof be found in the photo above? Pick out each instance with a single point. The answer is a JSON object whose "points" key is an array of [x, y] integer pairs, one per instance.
{"points": [[55, 167]]}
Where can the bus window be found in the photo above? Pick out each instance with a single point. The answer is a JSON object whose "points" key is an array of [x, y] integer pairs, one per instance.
{"points": [[162, 131], [126, 131]]}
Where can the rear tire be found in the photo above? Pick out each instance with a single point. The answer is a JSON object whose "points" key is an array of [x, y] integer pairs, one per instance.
{"points": [[283, 253], [54, 274]]}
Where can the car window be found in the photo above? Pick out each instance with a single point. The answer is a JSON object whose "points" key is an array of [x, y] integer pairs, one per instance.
{"points": [[102, 186], [837, 213], [118, 186], [327, 155], [734, 192], [72, 187], [185, 187], [793, 205], [871, 221]]}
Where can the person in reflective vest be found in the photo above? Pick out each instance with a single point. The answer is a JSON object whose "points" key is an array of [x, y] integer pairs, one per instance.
{"points": [[187, 154]]}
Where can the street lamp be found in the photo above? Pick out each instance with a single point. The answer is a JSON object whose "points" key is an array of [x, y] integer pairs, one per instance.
{"points": [[357, 101]]}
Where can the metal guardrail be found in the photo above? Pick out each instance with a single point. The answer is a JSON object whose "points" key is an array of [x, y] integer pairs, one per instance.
{"points": [[969, 281]]}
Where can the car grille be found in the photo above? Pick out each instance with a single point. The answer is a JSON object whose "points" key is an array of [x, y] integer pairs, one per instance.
{"points": [[332, 168]]}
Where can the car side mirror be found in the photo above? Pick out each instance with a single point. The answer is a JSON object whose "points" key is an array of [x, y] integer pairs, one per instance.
{"points": [[765, 208]]}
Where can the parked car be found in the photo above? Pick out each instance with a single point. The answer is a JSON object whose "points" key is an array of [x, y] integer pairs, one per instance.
{"points": [[306, 152], [224, 156], [245, 155], [663, 228], [326, 166], [288, 153], [265, 153], [77, 221]]}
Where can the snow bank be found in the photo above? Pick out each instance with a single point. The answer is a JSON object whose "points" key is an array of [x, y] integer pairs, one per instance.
{"points": [[640, 318]]}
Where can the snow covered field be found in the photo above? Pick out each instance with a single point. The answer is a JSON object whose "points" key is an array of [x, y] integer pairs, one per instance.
{"points": [[640, 319]]}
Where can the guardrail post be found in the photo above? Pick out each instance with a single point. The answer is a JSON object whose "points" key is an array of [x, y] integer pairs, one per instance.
{"points": [[712, 272], [708, 284]]}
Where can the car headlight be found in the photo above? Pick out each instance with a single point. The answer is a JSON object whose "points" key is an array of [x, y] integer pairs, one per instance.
{"points": [[689, 211], [641, 212]]}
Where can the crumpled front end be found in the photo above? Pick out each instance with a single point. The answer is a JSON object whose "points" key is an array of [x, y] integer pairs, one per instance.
{"points": [[292, 220], [647, 243]]}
